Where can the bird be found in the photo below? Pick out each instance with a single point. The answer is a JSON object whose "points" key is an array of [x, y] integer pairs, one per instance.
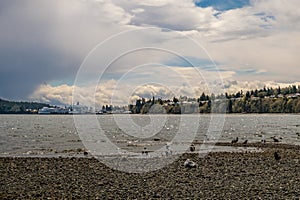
{"points": [[189, 164], [168, 150], [235, 140], [245, 142], [277, 156], [275, 139], [85, 153], [263, 140], [192, 148], [145, 151]]}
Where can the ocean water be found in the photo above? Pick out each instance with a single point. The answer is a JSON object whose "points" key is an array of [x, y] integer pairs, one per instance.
{"points": [[55, 135]]}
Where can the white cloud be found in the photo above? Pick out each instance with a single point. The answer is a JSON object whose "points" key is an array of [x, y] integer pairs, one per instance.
{"points": [[262, 37], [286, 13], [179, 15], [110, 92], [48, 94]]}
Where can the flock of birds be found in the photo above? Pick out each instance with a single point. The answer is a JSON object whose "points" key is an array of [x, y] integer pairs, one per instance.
{"points": [[263, 140], [190, 164]]}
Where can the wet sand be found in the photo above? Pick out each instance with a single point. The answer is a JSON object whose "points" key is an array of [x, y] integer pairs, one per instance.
{"points": [[219, 175]]}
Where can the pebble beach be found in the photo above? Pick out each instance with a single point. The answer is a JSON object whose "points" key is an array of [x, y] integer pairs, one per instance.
{"points": [[218, 175]]}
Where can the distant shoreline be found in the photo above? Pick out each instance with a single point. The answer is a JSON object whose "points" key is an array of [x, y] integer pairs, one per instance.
{"points": [[150, 114]]}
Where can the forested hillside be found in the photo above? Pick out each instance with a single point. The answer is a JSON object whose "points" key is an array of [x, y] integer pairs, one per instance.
{"points": [[265, 100], [12, 107]]}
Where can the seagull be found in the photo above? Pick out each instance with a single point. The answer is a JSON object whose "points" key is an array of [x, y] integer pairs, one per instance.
{"points": [[235, 140], [277, 156], [245, 142], [168, 150], [275, 139], [189, 164], [263, 140], [145, 151], [192, 148]]}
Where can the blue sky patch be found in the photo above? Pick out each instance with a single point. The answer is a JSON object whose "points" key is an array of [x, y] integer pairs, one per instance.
{"points": [[222, 5]]}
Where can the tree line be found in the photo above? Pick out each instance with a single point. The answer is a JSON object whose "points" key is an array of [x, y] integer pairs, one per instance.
{"points": [[13, 107], [264, 100]]}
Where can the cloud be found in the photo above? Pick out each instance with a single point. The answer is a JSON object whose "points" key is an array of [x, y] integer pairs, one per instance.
{"points": [[110, 92], [179, 15], [61, 94], [286, 13], [46, 42], [233, 86]]}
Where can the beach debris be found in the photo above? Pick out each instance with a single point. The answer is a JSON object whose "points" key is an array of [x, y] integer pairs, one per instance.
{"points": [[85, 153], [245, 142], [192, 148], [189, 164], [277, 156], [235, 140]]}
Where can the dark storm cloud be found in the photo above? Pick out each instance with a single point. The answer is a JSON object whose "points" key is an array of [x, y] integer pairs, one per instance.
{"points": [[44, 41], [23, 69], [26, 58]]}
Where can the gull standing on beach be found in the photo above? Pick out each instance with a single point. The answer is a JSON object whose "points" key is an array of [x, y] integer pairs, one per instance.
{"points": [[235, 140], [275, 139], [263, 140], [145, 152], [189, 164], [168, 150]]}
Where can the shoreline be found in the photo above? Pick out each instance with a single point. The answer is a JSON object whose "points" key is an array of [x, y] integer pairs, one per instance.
{"points": [[219, 175]]}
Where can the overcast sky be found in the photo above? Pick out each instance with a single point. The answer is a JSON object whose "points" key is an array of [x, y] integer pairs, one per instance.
{"points": [[119, 50]]}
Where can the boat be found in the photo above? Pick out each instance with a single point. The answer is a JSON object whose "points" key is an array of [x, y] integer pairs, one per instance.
{"points": [[57, 110]]}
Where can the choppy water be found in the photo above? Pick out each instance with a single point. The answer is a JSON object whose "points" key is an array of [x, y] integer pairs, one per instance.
{"points": [[58, 135]]}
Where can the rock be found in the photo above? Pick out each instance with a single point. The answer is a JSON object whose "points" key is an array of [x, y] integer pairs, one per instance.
{"points": [[277, 156], [192, 148]]}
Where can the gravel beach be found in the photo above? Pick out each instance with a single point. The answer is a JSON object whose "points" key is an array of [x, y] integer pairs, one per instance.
{"points": [[219, 175]]}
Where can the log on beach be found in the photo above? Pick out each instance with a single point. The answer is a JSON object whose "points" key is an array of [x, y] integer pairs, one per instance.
{"points": [[217, 176]]}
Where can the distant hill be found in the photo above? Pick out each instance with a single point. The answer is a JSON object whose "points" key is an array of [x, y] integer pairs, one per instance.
{"points": [[13, 107]]}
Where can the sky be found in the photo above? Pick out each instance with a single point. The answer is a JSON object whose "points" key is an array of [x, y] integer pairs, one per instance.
{"points": [[115, 51]]}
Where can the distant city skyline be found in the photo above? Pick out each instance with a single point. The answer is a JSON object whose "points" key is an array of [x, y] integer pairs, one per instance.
{"points": [[243, 44]]}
